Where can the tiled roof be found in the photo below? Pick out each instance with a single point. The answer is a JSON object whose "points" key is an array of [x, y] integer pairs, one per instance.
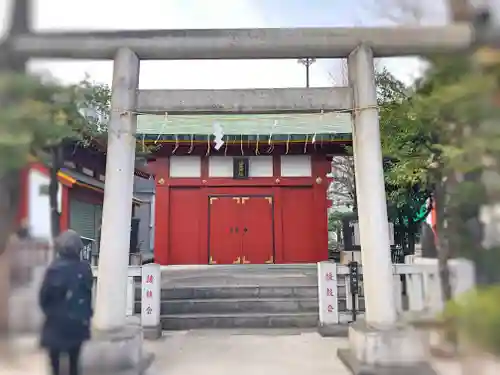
{"points": [[90, 181]]}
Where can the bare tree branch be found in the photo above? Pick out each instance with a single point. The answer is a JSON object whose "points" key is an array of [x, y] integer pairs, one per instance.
{"points": [[342, 189], [460, 10], [407, 12]]}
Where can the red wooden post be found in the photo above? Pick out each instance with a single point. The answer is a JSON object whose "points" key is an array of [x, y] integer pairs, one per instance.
{"points": [[162, 211]]}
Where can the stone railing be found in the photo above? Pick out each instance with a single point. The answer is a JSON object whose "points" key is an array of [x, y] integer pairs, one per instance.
{"points": [[25, 315], [26, 261], [149, 277], [416, 288], [423, 282]]}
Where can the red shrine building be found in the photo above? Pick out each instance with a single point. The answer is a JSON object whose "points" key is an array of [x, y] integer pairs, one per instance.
{"points": [[80, 195], [257, 199]]}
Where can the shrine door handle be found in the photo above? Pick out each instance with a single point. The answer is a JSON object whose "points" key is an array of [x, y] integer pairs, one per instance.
{"points": [[236, 230], [245, 230]]}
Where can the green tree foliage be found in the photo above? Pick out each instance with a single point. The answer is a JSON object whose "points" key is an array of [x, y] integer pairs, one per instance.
{"points": [[405, 150], [36, 114], [442, 135], [404, 158], [97, 98], [31, 115], [439, 124]]}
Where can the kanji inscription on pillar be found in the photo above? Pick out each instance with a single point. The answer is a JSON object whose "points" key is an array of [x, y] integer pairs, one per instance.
{"points": [[150, 296], [327, 293]]}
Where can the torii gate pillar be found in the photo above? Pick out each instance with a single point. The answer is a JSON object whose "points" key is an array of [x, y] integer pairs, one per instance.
{"points": [[118, 192], [116, 344], [376, 343], [370, 191]]}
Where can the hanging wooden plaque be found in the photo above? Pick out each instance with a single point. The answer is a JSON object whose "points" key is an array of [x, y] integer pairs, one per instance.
{"points": [[241, 168]]}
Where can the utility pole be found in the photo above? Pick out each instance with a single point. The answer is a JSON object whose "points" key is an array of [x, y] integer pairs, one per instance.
{"points": [[307, 62]]}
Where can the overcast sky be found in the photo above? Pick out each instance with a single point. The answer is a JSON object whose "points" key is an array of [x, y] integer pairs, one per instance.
{"points": [[175, 14]]}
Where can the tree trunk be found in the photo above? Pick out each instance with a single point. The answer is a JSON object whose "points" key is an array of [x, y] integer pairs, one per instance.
{"points": [[55, 216], [442, 245], [428, 241], [412, 229], [9, 207]]}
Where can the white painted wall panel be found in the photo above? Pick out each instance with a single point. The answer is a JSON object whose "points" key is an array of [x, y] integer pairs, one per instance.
{"points": [[261, 166], [220, 166], [296, 166], [39, 204], [185, 166]]}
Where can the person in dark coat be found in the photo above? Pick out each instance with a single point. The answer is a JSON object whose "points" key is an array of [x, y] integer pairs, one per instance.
{"points": [[66, 302]]}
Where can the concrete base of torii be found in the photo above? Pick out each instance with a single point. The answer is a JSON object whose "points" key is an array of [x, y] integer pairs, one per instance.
{"points": [[152, 333], [116, 352], [394, 350]]}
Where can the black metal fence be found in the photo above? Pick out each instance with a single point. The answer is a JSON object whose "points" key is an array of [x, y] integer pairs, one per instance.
{"points": [[398, 254], [88, 248]]}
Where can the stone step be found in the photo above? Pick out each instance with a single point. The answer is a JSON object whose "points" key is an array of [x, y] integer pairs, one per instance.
{"points": [[264, 275], [243, 320], [242, 280], [235, 292], [250, 305], [202, 270]]}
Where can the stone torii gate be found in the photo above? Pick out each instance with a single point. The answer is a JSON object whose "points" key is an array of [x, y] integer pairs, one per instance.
{"points": [[376, 342]]}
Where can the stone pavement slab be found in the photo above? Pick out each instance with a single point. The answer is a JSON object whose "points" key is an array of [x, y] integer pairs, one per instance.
{"points": [[217, 352], [447, 366], [21, 356], [245, 352]]}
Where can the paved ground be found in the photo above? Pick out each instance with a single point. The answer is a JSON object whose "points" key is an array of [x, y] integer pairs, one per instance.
{"points": [[242, 352], [217, 352], [447, 367]]}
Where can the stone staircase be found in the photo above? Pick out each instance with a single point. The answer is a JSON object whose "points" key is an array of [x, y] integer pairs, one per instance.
{"points": [[239, 296]]}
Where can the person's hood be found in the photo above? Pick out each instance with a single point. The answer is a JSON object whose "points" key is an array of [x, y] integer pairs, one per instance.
{"points": [[69, 245]]}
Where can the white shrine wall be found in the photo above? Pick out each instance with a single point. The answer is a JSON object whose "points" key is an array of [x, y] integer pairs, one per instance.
{"points": [[38, 201], [185, 166], [296, 166], [222, 166]]}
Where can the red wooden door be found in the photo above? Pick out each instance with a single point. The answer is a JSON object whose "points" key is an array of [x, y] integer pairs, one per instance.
{"points": [[184, 228], [225, 231], [298, 225], [257, 223]]}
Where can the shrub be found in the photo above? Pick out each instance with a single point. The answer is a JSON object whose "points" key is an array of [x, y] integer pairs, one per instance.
{"points": [[476, 317]]}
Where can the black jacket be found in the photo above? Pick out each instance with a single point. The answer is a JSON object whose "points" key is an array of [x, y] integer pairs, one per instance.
{"points": [[66, 296]]}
